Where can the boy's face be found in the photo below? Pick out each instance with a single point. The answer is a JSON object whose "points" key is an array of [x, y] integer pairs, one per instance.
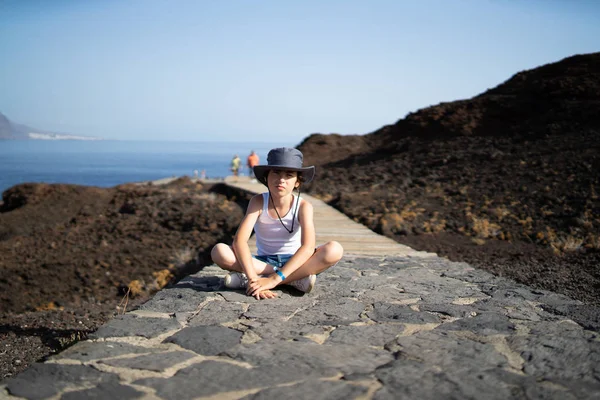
{"points": [[282, 181]]}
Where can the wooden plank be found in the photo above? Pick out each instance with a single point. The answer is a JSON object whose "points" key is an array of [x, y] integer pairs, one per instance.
{"points": [[330, 224]]}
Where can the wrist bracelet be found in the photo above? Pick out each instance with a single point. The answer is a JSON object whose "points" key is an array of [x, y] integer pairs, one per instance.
{"points": [[278, 272], [281, 275]]}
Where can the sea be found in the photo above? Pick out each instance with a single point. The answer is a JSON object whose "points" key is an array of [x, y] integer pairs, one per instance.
{"points": [[106, 163]]}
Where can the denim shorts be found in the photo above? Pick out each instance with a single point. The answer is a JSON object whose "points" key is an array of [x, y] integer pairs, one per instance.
{"points": [[276, 260]]}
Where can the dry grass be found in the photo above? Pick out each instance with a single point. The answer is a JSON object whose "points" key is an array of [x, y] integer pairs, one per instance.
{"points": [[593, 242], [403, 220], [527, 224], [482, 227], [567, 244], [435, 191], [135, 287], [547, 213], [587, 221], [410, 212], [505, 236], [183, 256], [500, 212], [435, 224], [162, 278], [548, 236], [486, 202], [122, 306], [72, 338], [50, 306]]}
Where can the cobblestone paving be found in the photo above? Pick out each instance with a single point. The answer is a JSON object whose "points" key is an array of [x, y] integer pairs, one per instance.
{"points": [[373, 328]]}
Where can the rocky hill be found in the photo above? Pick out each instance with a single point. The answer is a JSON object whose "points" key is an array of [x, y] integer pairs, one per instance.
{"points": [[71, 257], [507, 180]]}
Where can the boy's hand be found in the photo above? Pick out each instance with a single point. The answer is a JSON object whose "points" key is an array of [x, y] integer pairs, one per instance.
{"points": [[267, 294], [258, 285]]}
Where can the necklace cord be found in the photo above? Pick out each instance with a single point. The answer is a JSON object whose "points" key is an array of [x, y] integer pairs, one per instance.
{"points": [[293, 213]]}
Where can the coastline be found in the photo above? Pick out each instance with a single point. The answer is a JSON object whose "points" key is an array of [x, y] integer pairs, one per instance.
{"points": [[109, 163]]}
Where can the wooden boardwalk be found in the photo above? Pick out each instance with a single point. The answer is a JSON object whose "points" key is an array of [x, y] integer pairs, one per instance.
{"points": [[330, 224]]}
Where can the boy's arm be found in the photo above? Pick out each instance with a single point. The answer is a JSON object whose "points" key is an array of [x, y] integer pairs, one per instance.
{"points": [[240, 242]]}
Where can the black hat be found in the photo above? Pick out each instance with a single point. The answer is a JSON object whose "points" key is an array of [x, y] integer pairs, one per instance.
{"points": [[286, 159]]}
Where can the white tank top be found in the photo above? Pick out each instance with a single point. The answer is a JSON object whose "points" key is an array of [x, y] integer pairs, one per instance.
{"points": [[271, 236]]}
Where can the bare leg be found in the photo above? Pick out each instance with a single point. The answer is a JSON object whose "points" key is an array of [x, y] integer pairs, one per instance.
{"points": [[324, 257], [224, 256]]}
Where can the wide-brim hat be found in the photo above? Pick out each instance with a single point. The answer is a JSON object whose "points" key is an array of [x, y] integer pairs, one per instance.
{"points": [[287, 159]]}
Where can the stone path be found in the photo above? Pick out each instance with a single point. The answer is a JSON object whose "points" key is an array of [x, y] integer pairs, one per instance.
{"points": [[374, 327]]}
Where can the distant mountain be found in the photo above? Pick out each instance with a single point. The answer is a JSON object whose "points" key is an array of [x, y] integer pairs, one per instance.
{"points": [[6, 129], [14, 131]]}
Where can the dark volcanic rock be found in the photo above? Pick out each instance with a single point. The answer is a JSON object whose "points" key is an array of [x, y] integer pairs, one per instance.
{"points": [[72, 257], [66, 244], [51, 379], [206, 340], [507, 181]]}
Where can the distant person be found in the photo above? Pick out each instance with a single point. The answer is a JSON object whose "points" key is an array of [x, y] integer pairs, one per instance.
{"points": [[195, 173], [235, 165], [203, 174], [284, 230], [253, 160]]}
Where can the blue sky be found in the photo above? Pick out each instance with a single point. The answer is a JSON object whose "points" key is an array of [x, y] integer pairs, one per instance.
{"points": [[267, 70]]}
